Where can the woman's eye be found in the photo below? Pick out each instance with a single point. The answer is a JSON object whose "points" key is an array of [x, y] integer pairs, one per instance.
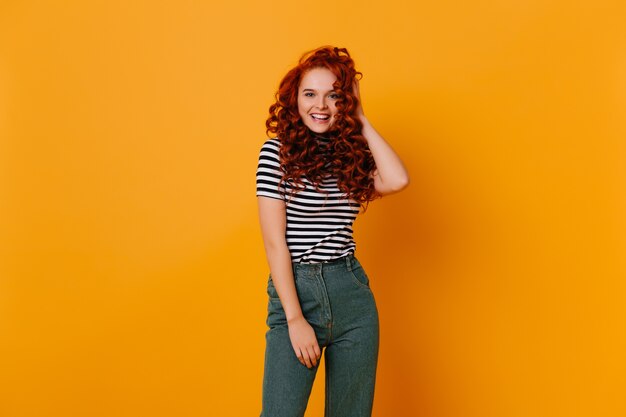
{"points": [[307, 94], [335, 96]]}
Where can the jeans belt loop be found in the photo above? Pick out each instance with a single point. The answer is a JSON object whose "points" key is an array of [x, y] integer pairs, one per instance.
{"points": [[348, 263]]}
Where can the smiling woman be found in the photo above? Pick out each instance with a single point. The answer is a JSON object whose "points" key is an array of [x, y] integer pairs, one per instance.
{"points": [[317, 104], [313, 178]]}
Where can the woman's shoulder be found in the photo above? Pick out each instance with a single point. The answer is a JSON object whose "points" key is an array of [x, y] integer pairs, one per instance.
{"points": [[271, 143], [269, 151], [271, 146]]}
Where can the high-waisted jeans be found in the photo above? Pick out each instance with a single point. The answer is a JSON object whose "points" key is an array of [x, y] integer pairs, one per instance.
{"points": [[337, 302]]}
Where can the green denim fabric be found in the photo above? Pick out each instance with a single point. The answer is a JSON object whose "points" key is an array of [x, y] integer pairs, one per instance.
{"points": [[337, 301]]}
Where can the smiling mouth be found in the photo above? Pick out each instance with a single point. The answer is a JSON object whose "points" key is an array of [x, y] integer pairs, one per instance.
{"points": [[320, 117]]}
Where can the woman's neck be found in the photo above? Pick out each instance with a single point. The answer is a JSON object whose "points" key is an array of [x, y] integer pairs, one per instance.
{"points": [[323, 137]]}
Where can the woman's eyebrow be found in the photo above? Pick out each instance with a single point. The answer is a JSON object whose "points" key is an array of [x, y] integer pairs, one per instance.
{"points": [[310, 89]]}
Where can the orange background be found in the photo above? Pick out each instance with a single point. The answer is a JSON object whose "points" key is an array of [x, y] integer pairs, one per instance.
{"points": [[132, 272]]}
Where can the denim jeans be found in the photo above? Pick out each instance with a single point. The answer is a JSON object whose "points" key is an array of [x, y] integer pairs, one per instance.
{"points": [[337, 302]]}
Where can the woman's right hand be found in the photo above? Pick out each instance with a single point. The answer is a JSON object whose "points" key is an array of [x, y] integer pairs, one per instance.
{"points": [[304, 341]]}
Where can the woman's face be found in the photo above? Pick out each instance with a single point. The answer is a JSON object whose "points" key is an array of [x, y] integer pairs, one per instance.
{"points": [[317, 98]]}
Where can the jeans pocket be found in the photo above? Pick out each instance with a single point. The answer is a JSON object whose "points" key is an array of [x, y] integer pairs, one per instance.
{"points": [[359, 276], [276, 315], [271, 290]]}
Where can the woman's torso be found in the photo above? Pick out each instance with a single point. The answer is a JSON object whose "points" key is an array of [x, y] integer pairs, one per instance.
{"points": [[319, 225]]}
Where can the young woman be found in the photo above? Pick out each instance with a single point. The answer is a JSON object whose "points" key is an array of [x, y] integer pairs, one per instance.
{"points": [[313, 177]]}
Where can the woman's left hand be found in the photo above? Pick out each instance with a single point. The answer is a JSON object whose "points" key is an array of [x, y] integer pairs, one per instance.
{"points": [[356, 91]]}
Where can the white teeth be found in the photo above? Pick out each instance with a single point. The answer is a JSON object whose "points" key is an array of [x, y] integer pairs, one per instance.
{"points": [[318, 116]]}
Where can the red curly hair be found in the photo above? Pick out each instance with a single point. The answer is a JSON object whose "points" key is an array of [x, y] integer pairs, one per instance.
{"points": [[351, 160]]}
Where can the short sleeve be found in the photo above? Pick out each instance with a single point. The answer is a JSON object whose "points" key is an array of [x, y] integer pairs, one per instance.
{"points": [[268, 173]]}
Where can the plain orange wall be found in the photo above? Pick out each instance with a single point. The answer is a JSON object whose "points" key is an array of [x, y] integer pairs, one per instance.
{"points": [[132, 272]]}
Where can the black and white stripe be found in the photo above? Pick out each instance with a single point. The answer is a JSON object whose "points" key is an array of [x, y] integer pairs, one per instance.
{"points": [[319, 227]]}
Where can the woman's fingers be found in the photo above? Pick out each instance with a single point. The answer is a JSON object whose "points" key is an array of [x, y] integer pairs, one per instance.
{"points": [[304, 342], [312, 355], [308, 356], [300, 356], [303, 356]]}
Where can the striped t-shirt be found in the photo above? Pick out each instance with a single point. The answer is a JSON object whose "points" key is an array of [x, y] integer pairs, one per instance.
{"points": [[319, 226]]}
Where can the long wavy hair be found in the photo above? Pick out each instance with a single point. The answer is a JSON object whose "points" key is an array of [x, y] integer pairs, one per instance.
{"points": [[348, 154]]}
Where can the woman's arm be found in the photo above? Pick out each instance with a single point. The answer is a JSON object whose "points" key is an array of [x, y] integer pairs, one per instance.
{"points": [[390, 175], [273, 218], [272, 215]]}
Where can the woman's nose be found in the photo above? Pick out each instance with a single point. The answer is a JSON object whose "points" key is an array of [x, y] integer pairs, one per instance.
{"points": [[321, 103]]}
